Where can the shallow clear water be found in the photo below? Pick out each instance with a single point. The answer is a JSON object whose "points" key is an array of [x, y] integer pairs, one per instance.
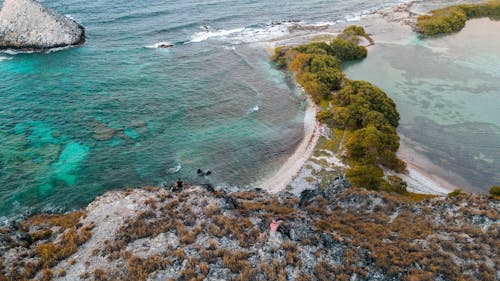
{"points": [[117, 113], [447, 90]]}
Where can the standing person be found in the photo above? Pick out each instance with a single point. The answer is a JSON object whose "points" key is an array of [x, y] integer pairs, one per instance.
{"points": [[274, 226], [178, 185]]}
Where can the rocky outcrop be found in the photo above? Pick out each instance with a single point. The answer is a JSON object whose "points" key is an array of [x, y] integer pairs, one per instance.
{"points": [[200, 233], [28, 25]]}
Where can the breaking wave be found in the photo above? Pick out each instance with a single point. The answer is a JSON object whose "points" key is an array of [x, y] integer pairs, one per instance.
{"points": [[163, 44], [5, 58]]}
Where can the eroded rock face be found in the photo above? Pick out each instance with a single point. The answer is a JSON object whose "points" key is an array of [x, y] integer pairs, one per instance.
{"points": [[28, 25]]}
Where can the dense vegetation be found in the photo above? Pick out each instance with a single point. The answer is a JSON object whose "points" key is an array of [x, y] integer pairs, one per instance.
{"points": [[364, 111], [452, 19], [495, 190]]}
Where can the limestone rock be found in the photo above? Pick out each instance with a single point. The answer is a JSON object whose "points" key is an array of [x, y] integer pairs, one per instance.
{"points": [[28, 25]]}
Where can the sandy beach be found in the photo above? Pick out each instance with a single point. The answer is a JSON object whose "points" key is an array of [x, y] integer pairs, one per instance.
{"points": [[290, 169], [423, 175]]}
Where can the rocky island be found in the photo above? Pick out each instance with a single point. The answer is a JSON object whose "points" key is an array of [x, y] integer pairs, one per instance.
{"points": [[28, 25]]}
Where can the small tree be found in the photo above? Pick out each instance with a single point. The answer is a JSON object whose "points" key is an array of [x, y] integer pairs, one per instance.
{"points": [[495, 190]]}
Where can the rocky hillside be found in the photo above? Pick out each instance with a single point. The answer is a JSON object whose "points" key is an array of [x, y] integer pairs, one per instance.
{"points": [[28, 25], [336, 233]]}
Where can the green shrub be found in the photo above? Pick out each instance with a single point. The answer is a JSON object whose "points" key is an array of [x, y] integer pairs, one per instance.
{"points": [[358, 30], [495, 190], [455, 193], [363, 100], [489, 9], [346, 50], [453, 18], [315, 48], [369, 177], [279, 57], [444, 20], [397, 184]]}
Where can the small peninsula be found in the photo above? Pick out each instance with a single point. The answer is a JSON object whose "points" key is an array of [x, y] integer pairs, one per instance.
{"points": [[28, 25], [452, 19]]}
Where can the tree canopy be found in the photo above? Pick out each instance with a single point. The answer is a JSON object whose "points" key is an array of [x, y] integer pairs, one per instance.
{"points": [[363, 109], [453, 18]]}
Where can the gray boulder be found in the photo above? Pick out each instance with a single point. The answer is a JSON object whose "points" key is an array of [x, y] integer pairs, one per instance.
{"points": [[28, 25]]}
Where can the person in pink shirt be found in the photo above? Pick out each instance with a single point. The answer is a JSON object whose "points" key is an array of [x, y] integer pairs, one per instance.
{"points": [[274, 226]]}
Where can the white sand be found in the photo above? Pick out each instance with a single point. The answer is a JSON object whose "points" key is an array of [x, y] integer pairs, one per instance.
{"points": [[304, 151], [425, 176]]}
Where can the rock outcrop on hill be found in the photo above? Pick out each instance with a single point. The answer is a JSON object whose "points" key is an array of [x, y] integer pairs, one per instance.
{"points": [[336, 233], [28, 25]]}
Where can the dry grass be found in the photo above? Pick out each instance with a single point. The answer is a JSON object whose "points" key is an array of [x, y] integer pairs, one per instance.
{"points": [[274, 271], [139, 268], [204, 268], [179, 253], [387, 232], [101, 275], [41, 235], [50, 253], [63, 221], [236, 261]]}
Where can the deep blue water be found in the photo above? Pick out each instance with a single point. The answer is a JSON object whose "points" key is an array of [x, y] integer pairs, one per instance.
{"points": [[114, 114]]}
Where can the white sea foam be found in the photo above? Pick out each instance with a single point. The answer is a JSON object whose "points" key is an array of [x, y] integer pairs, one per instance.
{"points": [[71, 17], [47, 51], [174, 169], [353, 18], [206, 34], [5, 58], [58, 49], [159, 45], [259, 33], [15, 52]]}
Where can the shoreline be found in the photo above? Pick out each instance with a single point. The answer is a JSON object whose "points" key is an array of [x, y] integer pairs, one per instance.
{"points": [[292, 166], [423, 176]]}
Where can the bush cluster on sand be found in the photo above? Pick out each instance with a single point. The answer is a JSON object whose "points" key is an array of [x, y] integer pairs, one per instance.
{"points": [[363, 110], [453, 18]]}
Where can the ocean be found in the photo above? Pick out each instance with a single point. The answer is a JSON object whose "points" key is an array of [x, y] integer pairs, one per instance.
{"points": [[119, 112]]}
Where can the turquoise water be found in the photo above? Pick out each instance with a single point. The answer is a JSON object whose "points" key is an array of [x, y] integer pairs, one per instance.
{"points": [[447, 90], [117, 112]]}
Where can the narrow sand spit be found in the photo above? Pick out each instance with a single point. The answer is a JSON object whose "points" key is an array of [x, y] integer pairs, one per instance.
{"points": [[304, 151]]}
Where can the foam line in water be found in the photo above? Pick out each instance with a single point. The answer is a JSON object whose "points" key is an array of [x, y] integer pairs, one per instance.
{"points": [[71, 17], [4, 58], [47, 51], [162, 44], [174, 169], [15, 52], [257, 32], [205, 35]]}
